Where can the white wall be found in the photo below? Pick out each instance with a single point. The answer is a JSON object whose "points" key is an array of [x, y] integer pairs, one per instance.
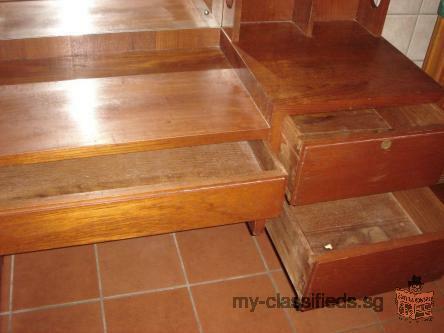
{"points": [[409, 26]]}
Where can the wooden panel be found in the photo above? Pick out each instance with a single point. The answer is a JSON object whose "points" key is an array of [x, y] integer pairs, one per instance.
{"points": [[378, 267], [82, 201], [372, 18], [44, 18], [267, 10], [81, 118], [121, 64], [304, 16], [335, 10], [105, 44], [424, 207], [231, 19], [364, 167]]}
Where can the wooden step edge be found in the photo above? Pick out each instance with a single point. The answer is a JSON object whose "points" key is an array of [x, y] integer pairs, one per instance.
{"points": [[107, 43]]}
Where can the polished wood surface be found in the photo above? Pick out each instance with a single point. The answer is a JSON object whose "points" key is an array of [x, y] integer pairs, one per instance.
{"points": [[362, 152], [107, 43], [341, 67], [44, 18], [79, 118], [109, 65], [96, 199], [267, 10], [434, 61], [329, 247]]}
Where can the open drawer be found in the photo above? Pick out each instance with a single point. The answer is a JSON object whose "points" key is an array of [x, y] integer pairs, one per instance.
{"points": [[361, 246], [332, 156], [95, 199]]}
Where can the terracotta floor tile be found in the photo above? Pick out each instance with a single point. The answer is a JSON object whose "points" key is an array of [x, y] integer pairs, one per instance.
{"points": [[390, 310], [219, 252], [139, 264], [214, 303], [434, 326], [327, 319], [160, 312], [55, 276], [4, 283], [268, 251], [370, 329], [4, 323], [83, 318]]}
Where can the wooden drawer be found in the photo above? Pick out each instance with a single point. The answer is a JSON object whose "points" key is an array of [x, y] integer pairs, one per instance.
{"points": [[332, 156], [361, 246], [80, 201]]}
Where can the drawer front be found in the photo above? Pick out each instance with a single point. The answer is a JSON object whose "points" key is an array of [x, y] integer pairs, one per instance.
{"points": [[361, 246], [325, 172], [103, 198], [155, 214], [377, 268]]}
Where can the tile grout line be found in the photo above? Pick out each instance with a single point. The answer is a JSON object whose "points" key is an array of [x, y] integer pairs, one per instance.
{"points": [[414, 29], [273, 282], [55, 306], [11, 291], [136, 293], [99, 280], [187, 283]]}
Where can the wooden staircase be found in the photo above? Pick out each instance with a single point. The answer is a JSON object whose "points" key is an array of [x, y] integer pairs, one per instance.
{"points": [[123, 119]]}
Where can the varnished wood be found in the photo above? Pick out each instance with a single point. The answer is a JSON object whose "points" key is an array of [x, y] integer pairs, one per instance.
{"points": [[341, 67], [106, 198], [257, 227], [434, 61], [327, 247], [231, 19], [107, 43], [439, 191], [342, 155], [46, 18], [267, 10], [303, 16], [71, 119], [372, 18], [120, 64], [424, 207]]}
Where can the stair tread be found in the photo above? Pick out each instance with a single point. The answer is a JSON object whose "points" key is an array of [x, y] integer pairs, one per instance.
{"points": [[48, 121], [45, 18], [341, 67]]}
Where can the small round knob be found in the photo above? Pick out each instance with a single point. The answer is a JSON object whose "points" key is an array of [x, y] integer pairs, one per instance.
{"points": [[229, 3], [386, 144]]}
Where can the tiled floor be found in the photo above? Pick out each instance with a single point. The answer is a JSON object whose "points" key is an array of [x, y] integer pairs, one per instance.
{"points": [[182, 282]]}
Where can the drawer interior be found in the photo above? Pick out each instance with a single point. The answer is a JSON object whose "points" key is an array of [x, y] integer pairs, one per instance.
{"points": [[348, 125], [128, 174], [308, 238]]}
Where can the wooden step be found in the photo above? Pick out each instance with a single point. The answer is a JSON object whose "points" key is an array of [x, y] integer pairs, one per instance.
{"points": [[342, 66], [44, 28], [81, 201], [361, 246], [49, 121]]}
